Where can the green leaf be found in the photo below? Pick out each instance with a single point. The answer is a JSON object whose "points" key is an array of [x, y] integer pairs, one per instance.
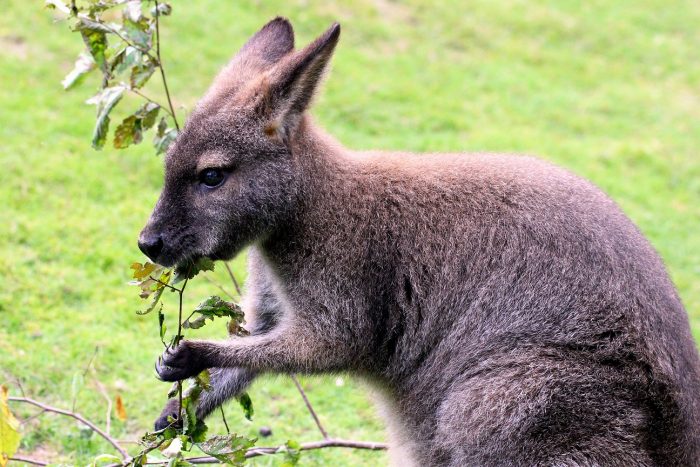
{"points": [[190, 270], [164, 9], [229, 448], [292, 453], [196, 323], [161, 324], [199, 433], [125, 59], [128, 132], [247, 405], [83, 65], [94, 34], [203, 380], [57, 5], [164, 137], [9, 430], [139, 30], [105, 101], [141, 72], [148, 114]]}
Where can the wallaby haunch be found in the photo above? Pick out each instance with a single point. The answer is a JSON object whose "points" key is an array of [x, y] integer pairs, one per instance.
{"points": [[507, 311]]}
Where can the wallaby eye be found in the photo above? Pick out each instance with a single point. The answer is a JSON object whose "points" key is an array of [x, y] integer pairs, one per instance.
{"points": [[212, 177]]}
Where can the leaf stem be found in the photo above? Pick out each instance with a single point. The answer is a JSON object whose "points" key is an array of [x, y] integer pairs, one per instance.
{"points": [[162, 70], [179, 336], [223, 418], [140, 94]]}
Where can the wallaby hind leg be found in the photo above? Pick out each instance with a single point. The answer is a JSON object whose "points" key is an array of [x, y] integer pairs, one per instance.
{"points": [[544, 411]]}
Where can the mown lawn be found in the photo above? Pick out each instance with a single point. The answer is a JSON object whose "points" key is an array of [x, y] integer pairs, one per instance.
{"points": [[610, 90]]}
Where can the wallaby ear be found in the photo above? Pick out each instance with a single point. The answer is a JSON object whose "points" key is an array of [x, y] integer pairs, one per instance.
{"points": [[262, 51], [269, 45], [290, 85]]}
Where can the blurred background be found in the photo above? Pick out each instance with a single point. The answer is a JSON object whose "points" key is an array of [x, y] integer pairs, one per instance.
{"points": [[610, 90]]}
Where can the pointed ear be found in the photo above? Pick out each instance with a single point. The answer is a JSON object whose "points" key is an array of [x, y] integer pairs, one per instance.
{"points": [[267, 46], [290, 85], [262, 51]]}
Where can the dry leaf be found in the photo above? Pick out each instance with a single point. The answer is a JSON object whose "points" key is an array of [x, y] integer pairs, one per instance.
{"points": [[9, 430], [121, 411]]}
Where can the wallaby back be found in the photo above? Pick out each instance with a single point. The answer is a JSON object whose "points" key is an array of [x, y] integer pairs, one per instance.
{"points": [[507, 311]]}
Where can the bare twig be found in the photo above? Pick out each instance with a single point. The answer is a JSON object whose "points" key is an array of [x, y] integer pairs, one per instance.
{"points": [[326, 443], [103, 391], [27, 460], [181, 291], [19, 385], [36, 415], [174, 289], [85, 372], [217, 285], [309, 406], [162, 70], [142, 95], [77, 417], [233, 279], [223, 418]]}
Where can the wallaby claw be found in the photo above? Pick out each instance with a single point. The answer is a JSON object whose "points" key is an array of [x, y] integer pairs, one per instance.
{"points": [[179, 363]]}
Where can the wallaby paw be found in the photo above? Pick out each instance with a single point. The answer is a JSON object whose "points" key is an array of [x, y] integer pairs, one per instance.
{"points": [[169, 413], [181, 362]]}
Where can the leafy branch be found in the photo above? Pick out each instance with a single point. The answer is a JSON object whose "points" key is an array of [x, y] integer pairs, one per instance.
{"points": [[127, 54]]}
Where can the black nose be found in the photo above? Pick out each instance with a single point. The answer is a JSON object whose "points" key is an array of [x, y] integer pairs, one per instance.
{"points": [[151, 246]]}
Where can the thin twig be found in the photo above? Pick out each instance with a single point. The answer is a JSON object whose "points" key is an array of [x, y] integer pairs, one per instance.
{"points": [[103, 391], [179, 336], [126, 40], [216, 284], [267, 450], [309, 406], [174, 289], [223, 418], [142, 95], [77, 417], [327, 443], [19, 385], [27, 460], [162, 70], [36, 415], [233, 279], [87, 368]]}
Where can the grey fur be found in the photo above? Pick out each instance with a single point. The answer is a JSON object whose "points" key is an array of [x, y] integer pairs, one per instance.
{"points": [[508, 312]]}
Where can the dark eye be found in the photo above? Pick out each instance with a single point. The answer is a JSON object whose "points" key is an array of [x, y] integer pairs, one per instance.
{"points": [[212, 177]]}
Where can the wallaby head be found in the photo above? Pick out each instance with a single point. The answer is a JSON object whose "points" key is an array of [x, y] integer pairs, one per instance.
{"points": [[230, 177]]}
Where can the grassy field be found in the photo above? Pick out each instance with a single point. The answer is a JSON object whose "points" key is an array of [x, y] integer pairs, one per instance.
{"points": [[610, 90]]}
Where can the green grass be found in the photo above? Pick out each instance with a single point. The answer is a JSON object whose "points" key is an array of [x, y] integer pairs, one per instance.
{"points": [[610, 90]]}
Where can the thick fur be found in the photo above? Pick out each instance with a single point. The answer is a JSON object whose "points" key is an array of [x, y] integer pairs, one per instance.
{"points": [[508, 312]]}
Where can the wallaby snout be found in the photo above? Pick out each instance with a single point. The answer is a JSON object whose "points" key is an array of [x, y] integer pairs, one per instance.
{"points": [[151, 245]]}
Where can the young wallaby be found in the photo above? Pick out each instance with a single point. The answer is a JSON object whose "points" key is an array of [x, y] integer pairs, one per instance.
{"points": [[507, 311]]}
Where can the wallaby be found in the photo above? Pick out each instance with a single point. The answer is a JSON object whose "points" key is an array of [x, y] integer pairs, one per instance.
{"points": [[506, 310]]}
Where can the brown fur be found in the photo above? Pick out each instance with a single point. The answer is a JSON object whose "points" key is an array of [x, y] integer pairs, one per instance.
{"points": [[507, 311]]}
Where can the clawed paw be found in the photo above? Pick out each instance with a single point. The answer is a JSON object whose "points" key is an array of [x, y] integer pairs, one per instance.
{"points": [[180, 363]]}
